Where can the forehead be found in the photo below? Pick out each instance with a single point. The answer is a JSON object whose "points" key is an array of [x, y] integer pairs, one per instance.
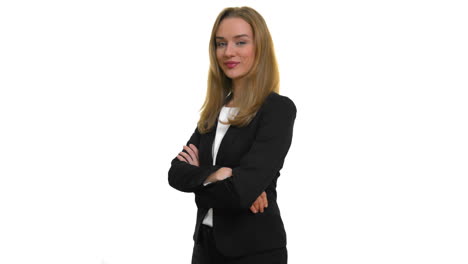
{"points": [[233, 26]]}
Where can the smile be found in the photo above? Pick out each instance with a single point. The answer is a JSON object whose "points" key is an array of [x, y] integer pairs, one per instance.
{"points": [[231, 65]]}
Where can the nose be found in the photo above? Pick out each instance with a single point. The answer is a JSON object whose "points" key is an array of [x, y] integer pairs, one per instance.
{"points": [[229, 50]]}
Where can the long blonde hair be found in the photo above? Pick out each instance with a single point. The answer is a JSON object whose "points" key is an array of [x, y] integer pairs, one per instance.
{"points": [[261, 80]]}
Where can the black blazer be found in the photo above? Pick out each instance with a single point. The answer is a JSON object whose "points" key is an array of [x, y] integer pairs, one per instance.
{"points": [[256, 154]]}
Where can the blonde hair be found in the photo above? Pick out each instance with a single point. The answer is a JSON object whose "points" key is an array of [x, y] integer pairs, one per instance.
{"points": [[261, 80]]}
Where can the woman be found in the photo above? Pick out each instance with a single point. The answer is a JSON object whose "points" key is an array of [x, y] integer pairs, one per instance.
{"points": [[233, 158]]}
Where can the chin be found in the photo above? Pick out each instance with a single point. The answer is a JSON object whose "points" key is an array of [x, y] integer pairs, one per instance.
{"points": [[235, 76]]}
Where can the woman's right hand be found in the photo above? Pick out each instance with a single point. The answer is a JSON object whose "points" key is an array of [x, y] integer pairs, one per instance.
{"points": [[191, 157]]}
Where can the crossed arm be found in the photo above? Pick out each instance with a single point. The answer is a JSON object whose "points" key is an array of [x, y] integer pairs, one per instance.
{"points": [[191, 157], [239, 187]]}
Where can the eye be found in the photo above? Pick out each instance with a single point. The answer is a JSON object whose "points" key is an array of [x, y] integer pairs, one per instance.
{"points": [[241, 43], [220, 44]]}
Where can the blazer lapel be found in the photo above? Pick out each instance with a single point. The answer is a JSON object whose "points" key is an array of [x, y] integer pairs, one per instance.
{"points": [[209, 141], [226, 142]]}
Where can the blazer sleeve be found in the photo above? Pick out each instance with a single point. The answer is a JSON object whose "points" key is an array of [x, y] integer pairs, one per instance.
{"points": [[186, 177], [260, 165]]}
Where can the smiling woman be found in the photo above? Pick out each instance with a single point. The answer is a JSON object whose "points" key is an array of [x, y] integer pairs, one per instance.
{"points": [[233, 159], [235, 50]]}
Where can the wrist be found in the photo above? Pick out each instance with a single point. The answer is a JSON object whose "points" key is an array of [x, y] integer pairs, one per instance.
{"points": [[223, 173]]}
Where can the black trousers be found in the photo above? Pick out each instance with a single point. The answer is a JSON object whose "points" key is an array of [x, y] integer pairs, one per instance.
{"points": [[205, 252]]}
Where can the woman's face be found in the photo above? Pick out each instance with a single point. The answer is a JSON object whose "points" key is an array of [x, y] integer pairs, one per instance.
{"points": [[235, 49]]}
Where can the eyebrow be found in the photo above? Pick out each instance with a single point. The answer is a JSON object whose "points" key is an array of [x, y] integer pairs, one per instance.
{"points": [[236, 36]]}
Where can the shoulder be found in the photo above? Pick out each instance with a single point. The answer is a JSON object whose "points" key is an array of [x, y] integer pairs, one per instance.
{"points": [[276, 102]]}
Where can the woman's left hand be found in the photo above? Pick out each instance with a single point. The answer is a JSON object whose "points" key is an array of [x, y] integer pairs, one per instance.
{"points": [[191, 157], [259, 204]]}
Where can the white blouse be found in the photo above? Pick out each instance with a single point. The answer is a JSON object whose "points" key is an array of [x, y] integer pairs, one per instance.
{"points": [[220, 132]]}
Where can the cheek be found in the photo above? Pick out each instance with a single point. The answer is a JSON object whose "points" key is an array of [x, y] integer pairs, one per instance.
{"points": [[249, 57], [219, 57]]}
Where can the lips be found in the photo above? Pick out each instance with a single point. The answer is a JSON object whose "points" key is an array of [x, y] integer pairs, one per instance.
{"points": [[231, 64]]}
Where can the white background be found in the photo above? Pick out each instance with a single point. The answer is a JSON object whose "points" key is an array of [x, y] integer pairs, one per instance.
{"points": [[97, 97]]}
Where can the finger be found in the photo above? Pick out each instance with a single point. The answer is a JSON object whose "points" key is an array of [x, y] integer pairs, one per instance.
{"points": [[195, 158], [186, 156], [257, 204], [261, 205], [179, 157], [253, 209], [265, 199], [191, 153], [194, 148]]}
